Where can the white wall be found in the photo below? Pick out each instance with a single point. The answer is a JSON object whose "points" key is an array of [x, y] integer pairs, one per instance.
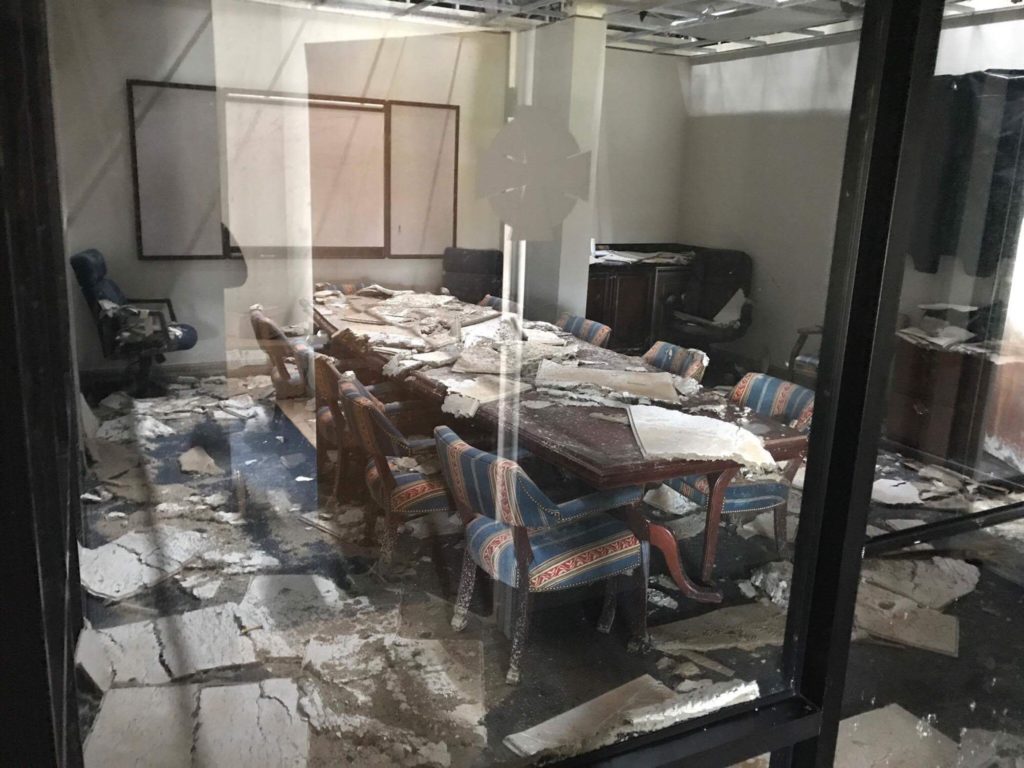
{"points": [[764, 142], [97, 44], [640, 170]]}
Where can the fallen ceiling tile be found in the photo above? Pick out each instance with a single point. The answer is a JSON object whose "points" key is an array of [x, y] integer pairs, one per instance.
{"points": [[202, 640], [149, 726], [895, 493], [664, 433], [890, 737], [990, 749], [746, 627], [888, 616], [934, 583], [240, 726], [197, 461]]}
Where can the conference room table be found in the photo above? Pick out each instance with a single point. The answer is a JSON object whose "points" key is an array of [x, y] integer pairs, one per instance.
{"points": [[593, 442]]}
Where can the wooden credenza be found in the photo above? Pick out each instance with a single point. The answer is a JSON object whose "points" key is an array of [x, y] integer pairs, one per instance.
{"points": [[631, 300], [937, 402]]}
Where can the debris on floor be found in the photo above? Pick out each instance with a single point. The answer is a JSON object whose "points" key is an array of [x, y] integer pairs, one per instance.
{"points": [[890, 737], [990, 749], [894, 618], [197, 461], [746, 627], [934, 582], [895, 493], [774, 580], [151, 726], [138, 560]]}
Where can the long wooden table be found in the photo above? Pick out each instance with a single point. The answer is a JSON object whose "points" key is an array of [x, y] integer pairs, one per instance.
{"points": [[595, 443]]}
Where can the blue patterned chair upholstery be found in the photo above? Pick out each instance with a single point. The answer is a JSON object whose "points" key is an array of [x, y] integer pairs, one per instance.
{"points": [[690, 363], [592, 331], [400, 493], [518, 536], [775, 399]]}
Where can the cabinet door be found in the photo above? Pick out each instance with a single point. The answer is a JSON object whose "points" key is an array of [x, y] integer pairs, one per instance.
{"points": [[631, 321], [599, 295]]}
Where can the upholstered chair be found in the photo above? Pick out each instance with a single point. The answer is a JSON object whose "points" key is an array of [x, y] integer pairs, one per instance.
{"points": [[592, 331], [689, 363], [518, 536], [772, 398]]}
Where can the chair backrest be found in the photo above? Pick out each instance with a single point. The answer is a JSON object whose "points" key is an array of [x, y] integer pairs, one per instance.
{"points": [[496, 302], [690, 363], [91, 271], [365, 414], [588, 330], [277, 345], [489, 485], [327, 384], [775, 398]]}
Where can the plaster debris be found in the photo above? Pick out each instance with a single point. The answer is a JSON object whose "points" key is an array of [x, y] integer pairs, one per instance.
{"points": [[346, 658], [216, 500], [571, 731], [775, 580], [118, 401], [664, 433], [933, 583], [671, 501], [232, 563], [197, 461], [240, 726], [202, 640], [91, 655], [890, 737], [465, 396], [536, 405], [138, 560], [200, 585], [686, 386], [895, 493], [686, 686], [614, 418], [990, 749], [707, 663], [303, 479], [888, 616], [149, 726], [654, 385], [131, 652], [746, 627], [764, 525], [659, 599], [292, 460], [691, 704], [435, 524]]}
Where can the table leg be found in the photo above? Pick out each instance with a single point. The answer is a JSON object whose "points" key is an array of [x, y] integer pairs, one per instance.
{"points": [[664, 541], [717, 483]]}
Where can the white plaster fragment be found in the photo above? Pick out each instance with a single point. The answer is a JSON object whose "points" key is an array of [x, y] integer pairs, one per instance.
{"points": [[150, 726], [197, 461], [241, 726], [895, 492], [888, 616], [934, 583], [775, 580], [890, 737], [664, 433], [746, 627]]}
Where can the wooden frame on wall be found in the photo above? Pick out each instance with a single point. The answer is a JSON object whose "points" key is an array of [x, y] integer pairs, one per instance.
{"points": [[431, 208]]}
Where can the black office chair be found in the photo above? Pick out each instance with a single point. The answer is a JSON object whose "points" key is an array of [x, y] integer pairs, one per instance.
{"points": [[128, 332]]}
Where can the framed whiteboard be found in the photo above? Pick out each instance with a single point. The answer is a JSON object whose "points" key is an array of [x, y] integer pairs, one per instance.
{"points": [[175, 156]]}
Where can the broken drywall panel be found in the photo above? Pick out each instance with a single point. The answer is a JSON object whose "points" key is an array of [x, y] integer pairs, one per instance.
{"points": [[890, 737], [346, 658], [197, 461], [989, 749], [934, 583], [654, 385], [133, 653], [774, 579], [664, 433], [202, 640], [138, 560], [571, 731], [895, 493], [888, 616], [150, 726], [691, 704], [91, 655], [745, 627], [240, 726], [465, 396]]}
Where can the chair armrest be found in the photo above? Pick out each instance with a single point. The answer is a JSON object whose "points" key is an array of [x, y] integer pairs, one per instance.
{"points": [[386, 389], [405, 406], [170, 307], [422, 445], [599, 501]]}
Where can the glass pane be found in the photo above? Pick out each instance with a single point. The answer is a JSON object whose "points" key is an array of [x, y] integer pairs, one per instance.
{"points": [[935, 607], [485, 445]]}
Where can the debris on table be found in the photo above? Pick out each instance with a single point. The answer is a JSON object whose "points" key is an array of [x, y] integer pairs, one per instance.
{"points": [[654, 385], [665, 433]]}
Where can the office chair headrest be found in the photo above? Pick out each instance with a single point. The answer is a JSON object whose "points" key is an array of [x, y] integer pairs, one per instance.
{"points": [[90, 267]]}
